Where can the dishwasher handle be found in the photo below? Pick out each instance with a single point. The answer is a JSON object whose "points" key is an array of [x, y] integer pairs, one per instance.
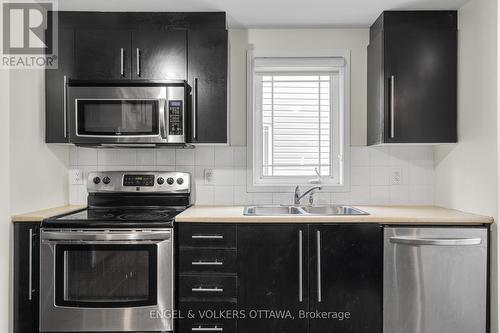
{"points": [[415, 241]]}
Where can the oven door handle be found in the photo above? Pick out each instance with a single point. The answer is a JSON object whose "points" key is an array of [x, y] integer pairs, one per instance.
{"points": [[106, 236]]}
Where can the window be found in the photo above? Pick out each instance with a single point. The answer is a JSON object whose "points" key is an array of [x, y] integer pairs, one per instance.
{"points": [[299, 122]]}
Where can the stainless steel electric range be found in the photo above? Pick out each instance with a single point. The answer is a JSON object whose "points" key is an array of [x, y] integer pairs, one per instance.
{"points": [[109, 268]]}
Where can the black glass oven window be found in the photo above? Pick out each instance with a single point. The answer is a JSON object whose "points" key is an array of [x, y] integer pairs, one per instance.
{"points": [[117, 117], [106, 275]]}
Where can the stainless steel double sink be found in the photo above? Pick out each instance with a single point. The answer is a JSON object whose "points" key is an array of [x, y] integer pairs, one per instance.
{"points": [[279, 210]]}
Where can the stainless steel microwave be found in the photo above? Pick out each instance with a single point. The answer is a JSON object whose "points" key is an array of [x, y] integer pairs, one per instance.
{"points": [[127, 114]]}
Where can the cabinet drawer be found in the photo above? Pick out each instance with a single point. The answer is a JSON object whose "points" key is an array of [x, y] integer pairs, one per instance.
{"points": [[193, 260], [204, 288], [206, 235], [207, 325]]}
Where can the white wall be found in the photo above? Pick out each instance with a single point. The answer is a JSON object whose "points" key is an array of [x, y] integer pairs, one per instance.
{"points": [[466, 173], [356, 40], [4, 202], [38, 172]]}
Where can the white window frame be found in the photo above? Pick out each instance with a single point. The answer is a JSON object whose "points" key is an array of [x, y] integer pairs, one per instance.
{"points": [[255, 181]]}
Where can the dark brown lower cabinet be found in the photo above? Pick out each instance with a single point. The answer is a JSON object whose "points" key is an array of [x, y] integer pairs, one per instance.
{"points": [[26, 277], [207, 281], [273, 275], [327, 277], [345, 269]]}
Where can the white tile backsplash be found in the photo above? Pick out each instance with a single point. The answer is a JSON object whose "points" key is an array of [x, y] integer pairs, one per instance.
{"points": [[165, 156], [360, 175], [371, 172], [116, 157], [380, 156], [224, 156], [223, 195], [204, 155], [184, 156], [146, 157], [86, 156], [204, 195]]}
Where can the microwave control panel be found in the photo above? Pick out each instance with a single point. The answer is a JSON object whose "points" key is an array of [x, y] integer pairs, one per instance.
{"points": [[175, 121]]}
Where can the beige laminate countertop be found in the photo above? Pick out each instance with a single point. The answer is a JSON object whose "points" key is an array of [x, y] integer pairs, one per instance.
{"points": [[234, 214], [378, 214], [40, 215]]}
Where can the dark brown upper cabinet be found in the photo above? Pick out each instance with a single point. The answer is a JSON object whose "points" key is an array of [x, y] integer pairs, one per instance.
{"points": [[121, 46], [412, 78], [103, 54], [159, 55], [207, 75]]}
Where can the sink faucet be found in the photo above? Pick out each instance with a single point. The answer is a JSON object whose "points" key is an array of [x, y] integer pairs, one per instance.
{"points": [[299, 196]]}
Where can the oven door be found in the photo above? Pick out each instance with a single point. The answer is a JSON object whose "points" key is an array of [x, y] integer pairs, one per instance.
{"points": [[106, 281], [117, 115]]}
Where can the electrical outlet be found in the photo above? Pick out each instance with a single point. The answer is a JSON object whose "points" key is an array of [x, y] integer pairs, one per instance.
{"points": [[396, 176], [208, 176], [75, 177]]}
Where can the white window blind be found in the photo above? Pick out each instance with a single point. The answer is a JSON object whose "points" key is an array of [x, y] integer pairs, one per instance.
{"points": [[297, 109], [296, 124]]}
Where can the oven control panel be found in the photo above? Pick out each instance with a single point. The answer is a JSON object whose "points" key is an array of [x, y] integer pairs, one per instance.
{"points": [[139, 181]]}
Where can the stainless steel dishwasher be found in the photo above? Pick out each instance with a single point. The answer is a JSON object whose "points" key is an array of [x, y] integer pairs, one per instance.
{"points": [[435, 280]]}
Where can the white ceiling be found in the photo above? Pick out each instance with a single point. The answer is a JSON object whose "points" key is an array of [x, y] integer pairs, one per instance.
{"points": [[272, 13]]}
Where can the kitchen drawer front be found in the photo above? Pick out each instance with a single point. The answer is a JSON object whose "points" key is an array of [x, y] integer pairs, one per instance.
{"points": [[206, 235], [205, 288], [206, 325], [194, 260]]}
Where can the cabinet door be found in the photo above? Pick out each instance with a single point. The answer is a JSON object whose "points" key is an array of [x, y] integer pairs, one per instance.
{"points": [[26, 277], [102, 54], [272, 272], [207, 75], [56, 116], [159, 55], [421, 67], [346, 276]]}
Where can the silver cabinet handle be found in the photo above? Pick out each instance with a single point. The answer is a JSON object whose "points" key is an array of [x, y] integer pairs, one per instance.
{"points": [[138, 61], [392, 107], [435, 241], [207, 290], [207, 329], [300, 266], [122, 68], [195, 108], [30, 268], [318, 249], [207, 237], [65, 106], [207, 263]]}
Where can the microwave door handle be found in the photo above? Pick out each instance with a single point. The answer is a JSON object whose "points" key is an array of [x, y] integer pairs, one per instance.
{"points": [[163, 118]]}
